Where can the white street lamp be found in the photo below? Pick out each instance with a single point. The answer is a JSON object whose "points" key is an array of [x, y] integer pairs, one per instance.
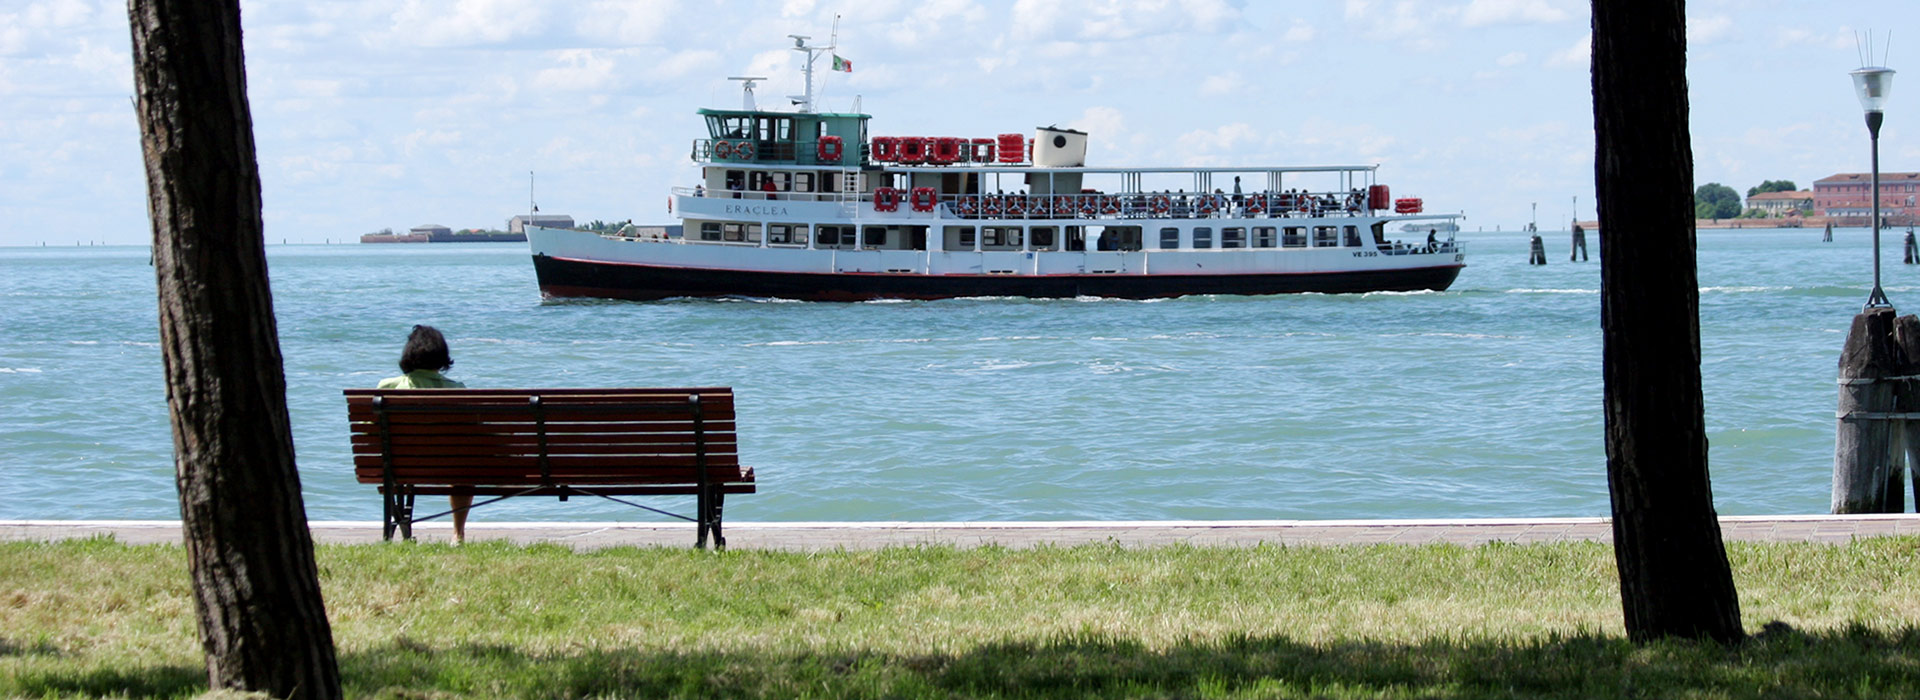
{"points": [[1873, 83]]}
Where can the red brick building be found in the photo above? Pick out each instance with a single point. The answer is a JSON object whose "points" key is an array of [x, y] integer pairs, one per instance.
{"points": [[1844, 198]]}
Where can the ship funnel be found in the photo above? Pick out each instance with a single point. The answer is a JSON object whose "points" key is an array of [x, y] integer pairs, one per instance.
{"points": [[1054, 147]]}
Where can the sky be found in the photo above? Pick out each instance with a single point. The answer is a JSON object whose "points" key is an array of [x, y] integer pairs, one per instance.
{"points": [[372, 114]]}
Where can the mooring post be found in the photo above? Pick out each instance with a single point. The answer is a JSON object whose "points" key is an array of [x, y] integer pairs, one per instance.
{"points": [[1906, 391], [1539, 254], [1912, 251], [1579, 248], [1862, 443]]}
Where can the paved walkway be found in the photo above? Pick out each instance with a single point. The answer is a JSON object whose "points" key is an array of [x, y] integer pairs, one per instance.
{"points": [[872, 535]]}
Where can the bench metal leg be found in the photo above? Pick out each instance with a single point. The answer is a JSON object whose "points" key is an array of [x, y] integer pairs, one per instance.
{"points": [[389, 512], [719, 499], [406, 516], [700, 519]]}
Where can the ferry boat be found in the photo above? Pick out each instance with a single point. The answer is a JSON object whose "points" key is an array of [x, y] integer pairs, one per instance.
{"points": [[806, 205]]}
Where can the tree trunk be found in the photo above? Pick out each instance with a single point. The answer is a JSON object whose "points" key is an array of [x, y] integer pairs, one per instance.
{"points": [[256, 589], [1674, 577]]}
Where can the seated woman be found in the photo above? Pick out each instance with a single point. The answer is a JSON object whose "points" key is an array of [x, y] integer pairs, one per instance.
{"points": [[423, 360]]}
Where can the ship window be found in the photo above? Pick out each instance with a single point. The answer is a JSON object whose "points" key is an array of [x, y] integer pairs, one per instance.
{"points": [[753, 233], [1324, 236], [1352, 237], [710, 231], [876, 236], [1169, 238], [1009, 236], [1293, 237], [1203, 237], [828, 237], [779, 233], [1263, 236], [964, 239], [1233, 237], [1043, 237], [734, 233], [735, 127], [736, 180], [803, 182], [783, 129]]}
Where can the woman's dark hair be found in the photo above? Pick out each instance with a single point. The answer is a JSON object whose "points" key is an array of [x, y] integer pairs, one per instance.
{"points": [[426, 349]]}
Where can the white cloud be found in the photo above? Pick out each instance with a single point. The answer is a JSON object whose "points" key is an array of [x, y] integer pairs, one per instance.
{"points": [[1400, 21], [1102, 124], [1579, 55], [626, 23], [1512, 59], [473, 23], [1299, 32], [1836, 39], [1704, 30], [580, 70], [1224, 139], [1480, 13], [1114, 20], [1221, 84]]}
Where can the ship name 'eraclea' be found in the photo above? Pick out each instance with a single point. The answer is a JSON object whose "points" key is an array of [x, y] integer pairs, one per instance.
{"points": [[808, 205]]}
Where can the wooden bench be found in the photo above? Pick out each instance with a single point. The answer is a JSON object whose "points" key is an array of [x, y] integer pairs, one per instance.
{"points": [[507, 443]]}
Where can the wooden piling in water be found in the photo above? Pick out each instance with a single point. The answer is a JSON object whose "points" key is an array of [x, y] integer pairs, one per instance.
{"points": [[1863, 437], [1906, 393], [1539, 254], [1912, 253], [1578, 253]]}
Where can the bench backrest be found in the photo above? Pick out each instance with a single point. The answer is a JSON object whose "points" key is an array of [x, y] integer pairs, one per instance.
{"points": [[532, 437]]}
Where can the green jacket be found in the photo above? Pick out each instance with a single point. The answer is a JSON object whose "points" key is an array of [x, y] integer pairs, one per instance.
{"points": [[420, 379]]}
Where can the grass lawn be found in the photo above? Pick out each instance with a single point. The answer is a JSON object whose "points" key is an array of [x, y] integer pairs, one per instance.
{"points": [[96, 618]]}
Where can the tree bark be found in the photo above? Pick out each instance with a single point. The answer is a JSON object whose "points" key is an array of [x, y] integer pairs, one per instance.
{"points": [[1674, 577], [256, 589]]}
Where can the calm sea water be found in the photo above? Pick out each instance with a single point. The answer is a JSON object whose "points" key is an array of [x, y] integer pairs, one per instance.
{"points": [[1480, 401]]}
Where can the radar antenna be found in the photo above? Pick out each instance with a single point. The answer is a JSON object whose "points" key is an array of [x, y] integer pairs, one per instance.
{"points": [[805, 102], [746, 89]]}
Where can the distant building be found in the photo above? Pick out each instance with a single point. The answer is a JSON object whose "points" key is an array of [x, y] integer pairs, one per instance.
{"points": [[518, 224], [1844, 197], [1781, 203], [431, 231]]}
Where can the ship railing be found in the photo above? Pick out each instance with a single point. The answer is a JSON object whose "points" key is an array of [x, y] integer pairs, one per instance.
{"points": [[1155, 205], [710, 150]]}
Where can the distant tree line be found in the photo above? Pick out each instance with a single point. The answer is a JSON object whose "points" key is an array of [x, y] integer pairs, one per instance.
{"points": [[1716, 201]]}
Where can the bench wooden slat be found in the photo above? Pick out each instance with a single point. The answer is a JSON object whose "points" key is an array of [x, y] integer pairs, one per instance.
{"points": [[680, 490], [373, 442], [497, 477], [609, 463], [399, 427]]}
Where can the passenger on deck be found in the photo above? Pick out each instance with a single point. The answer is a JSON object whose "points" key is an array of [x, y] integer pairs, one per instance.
{"points": [[767, 187], [422, 360]]}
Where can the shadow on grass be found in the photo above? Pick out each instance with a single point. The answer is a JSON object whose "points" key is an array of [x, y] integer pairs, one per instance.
{"points": [[1855, 662]]}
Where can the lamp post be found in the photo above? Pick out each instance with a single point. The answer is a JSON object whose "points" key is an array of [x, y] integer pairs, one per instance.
{"points": [[1873, 83]]}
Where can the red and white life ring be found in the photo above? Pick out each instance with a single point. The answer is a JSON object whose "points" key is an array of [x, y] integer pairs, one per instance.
{"points": [[992, 205], [967, 204], [1089, 204], [1204, 205], [723, 149], [743, 150], [1016, 205], [922, 199], [1256, 205], [1109, 205], [829, 149], [886, 199], [1161, 204]]}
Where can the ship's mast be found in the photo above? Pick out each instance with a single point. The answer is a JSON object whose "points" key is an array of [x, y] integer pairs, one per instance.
{"points": [[806, 67]]}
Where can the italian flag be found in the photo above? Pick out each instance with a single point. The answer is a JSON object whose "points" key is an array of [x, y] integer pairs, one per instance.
{"points": [[842, 65]]}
